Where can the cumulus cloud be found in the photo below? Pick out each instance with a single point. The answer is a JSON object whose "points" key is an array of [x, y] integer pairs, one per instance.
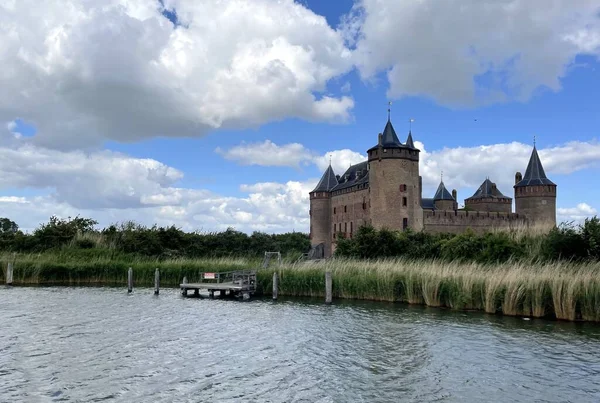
{"points": [[268, 153], [118, 69], [292, 155], [114, 187], [461, 53], [578, 213], [469, 166]]}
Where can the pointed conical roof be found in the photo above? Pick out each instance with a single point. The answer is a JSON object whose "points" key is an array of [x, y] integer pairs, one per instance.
{"points": [[442, 193], [409, 141], [535, 174], [328, 181], [486, 190], [390, 139]]}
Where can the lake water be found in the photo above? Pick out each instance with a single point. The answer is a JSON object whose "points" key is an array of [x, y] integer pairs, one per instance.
{"points": [[100, 344]]}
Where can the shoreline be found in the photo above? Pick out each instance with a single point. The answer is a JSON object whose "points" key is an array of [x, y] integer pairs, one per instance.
{"points": [[556, 290]]}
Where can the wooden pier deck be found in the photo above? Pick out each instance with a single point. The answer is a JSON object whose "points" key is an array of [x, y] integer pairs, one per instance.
{"points": [[234, 284]]}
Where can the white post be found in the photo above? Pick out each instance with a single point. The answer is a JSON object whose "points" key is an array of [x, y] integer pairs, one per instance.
{"points": [[130, 280], [328, 287], [9, 274], [156, 281], [184, 290]]}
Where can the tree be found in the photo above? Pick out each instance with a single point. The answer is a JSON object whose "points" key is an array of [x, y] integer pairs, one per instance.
{"points": [[8, 226]]}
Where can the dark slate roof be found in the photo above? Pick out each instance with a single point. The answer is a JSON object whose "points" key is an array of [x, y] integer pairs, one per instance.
{"points": [[442, 193], [328, 181], [390, 139], [355, 175], [487, 190], [535, 174], [409, 141], [427, 204]]}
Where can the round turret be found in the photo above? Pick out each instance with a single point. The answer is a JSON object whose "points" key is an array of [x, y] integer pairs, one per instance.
{"points": [[535, 194], [394, 183]]}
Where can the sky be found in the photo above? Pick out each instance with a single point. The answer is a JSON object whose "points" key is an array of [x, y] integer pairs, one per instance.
{"points": [[214, 114]]}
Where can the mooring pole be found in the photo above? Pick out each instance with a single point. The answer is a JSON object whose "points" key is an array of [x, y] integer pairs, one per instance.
{"points": [[130, 280], [275, 285], [156, 281], [328, 283], [184, 290], [9, 274]]}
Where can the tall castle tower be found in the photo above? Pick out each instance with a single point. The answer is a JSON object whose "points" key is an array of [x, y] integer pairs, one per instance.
{"points": [[535, 194], [320, 212], [395, 189]]}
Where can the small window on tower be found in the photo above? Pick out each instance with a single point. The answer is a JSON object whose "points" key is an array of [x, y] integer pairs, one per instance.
{"points": [[404, 223], [404, 201], [334, 210], [345, 209]]}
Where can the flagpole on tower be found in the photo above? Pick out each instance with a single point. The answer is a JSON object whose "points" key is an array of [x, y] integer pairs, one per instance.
{"points": [[389, 109]]}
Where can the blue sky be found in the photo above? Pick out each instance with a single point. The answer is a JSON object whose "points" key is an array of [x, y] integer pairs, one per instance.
{"points": [[125, 116]]}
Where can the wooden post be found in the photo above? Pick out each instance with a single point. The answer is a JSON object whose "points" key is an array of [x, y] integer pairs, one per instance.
{"points": [[184, 290], [275, 285], [130, 280], [156, 281], [9, 274], [328, 283]]}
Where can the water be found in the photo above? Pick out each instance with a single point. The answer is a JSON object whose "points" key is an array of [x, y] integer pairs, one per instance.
{"points": [[93, 344]]}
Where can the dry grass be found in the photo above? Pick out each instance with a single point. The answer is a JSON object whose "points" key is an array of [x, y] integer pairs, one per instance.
{"points": [[563, 290]]}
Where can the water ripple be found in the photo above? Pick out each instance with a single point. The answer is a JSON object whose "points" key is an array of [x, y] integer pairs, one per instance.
{"points": [[94, 344]]}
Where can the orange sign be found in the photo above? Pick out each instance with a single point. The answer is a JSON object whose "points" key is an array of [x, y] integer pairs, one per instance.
{"points": [[209, 275]]}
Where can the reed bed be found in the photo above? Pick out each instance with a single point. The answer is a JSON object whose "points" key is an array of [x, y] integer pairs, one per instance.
{"points": [[562, 290]]}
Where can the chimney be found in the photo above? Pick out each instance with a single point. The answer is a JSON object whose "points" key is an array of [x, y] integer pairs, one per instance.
{"points": [[518, 177], [380, 139]]}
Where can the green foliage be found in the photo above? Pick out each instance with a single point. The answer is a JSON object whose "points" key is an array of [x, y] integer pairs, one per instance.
{"points": [[8, 226], [130, 238], [565, 242]]}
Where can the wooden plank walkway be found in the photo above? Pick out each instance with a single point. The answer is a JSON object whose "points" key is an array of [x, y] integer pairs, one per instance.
{"points": [[235, 283]]}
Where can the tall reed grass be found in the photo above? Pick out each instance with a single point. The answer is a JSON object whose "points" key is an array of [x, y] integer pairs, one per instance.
{"points": [[562, 290]]}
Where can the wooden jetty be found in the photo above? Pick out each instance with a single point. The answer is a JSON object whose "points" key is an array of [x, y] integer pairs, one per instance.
{"points": [[238, 284]]}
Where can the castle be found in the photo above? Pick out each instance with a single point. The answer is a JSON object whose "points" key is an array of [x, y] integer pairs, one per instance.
{"points": [[386, 192]]}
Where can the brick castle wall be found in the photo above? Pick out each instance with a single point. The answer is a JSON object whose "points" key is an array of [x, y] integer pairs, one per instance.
{"points": [[456, 222], [394, 176]]}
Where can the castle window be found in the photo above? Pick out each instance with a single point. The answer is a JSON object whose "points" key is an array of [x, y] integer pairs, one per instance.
{"points": [[385, 150], [334, 210], [404, 201], [403, 188], [345, 209], [404, 223], [350, 229], [345, 227], [334, 228]]}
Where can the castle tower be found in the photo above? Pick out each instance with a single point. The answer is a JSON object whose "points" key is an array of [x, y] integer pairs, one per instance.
{"points": [[489, 198], [320, 212], [394, 183], [443, 200], [535, 194]]}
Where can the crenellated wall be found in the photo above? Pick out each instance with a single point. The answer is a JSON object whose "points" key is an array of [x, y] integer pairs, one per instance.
{"points": [[456, 222]]}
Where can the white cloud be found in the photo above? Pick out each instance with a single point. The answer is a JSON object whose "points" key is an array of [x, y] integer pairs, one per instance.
{"points": [[469, 166], [268, 153], [292, 155], [461, 52], [118, 69], [578, 213], [340, 160], [101, 179]]}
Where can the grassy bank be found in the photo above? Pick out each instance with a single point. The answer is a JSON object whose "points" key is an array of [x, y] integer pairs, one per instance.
{"points": [[562, 290]]}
